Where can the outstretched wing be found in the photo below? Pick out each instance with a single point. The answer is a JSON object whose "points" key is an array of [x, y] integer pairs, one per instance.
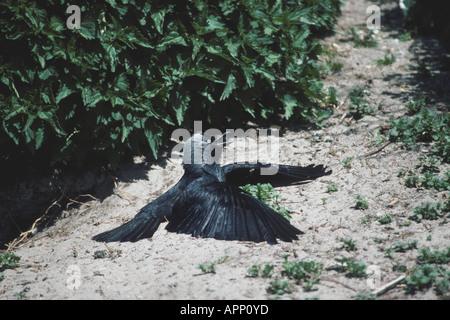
{"points": [[147, 221], [213, 209], [244, 173]]}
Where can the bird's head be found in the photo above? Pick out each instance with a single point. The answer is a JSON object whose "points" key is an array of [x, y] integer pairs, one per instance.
{"points": [[198, 150]]}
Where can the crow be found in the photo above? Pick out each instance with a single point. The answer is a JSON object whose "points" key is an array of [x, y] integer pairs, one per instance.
{"points": [[207, 201]]}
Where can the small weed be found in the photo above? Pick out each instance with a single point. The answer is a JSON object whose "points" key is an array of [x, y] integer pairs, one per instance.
{"points": [[401, 247], [428, 180], [8, 261], [430, 211], [385, 220], [414, 106], [267, 194], [332, 188], [436, 257], [380, 240], [399, 268], [366, 41], [330, 65], [332, 97], [366, 220], [386, 61], [422, 277], [101, 254], [404, 223], [425, 126], [347, 163], [365, 296], [405, 36], [426, 276], [324, 201], [442, 284], [222, 259], [430, 272], [22, 295], [428, 164], [267, 271], [211, 266], [351, 268], [255, 270], [358, 104], [361, 203], [207, 267], [305, 272], [279, 287], [349, 244]]}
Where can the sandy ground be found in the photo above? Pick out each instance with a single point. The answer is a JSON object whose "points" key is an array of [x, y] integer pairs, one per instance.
{"points": [[61, 262]]}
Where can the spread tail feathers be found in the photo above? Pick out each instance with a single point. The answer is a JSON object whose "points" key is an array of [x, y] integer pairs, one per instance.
{"points": [[132, 231], [225, 212]]}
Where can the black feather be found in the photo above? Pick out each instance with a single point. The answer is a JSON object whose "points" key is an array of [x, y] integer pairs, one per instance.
{"points": [[223, 211]]}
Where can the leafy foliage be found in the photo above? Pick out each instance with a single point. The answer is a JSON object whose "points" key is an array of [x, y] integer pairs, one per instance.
{"points": [[386, 61], [426, 276], [358, 104], [430, 211], [207, 267], [437, 257], [361, 203], [364, 41], [8, 261], [425, 126], [351, 268], [255, 270], [137, 69], [267, 194], [401, 247], [349, 244], [306, 272], [279, 287], [332, 188]]}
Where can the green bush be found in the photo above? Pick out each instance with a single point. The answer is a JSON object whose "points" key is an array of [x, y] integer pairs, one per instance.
{"points": [[136, 70], [427, 17]]}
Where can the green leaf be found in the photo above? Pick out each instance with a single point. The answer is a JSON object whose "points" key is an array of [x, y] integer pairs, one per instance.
{"points": [[87, 30], [64, 92], [229, 87], [158, 18], [39, 138], [290, 102]]}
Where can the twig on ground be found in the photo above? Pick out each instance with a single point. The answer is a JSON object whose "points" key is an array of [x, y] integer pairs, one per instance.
{"points": [[377, 150], [81, 195], [388, 286], [342, 118], [123, 193], [21, 238]]}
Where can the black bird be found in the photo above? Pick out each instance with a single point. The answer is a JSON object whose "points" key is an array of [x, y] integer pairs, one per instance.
{"points": [[207, 202]]}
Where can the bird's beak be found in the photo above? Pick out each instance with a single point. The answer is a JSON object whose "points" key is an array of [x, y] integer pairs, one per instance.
{"points": [[225, 143]]}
